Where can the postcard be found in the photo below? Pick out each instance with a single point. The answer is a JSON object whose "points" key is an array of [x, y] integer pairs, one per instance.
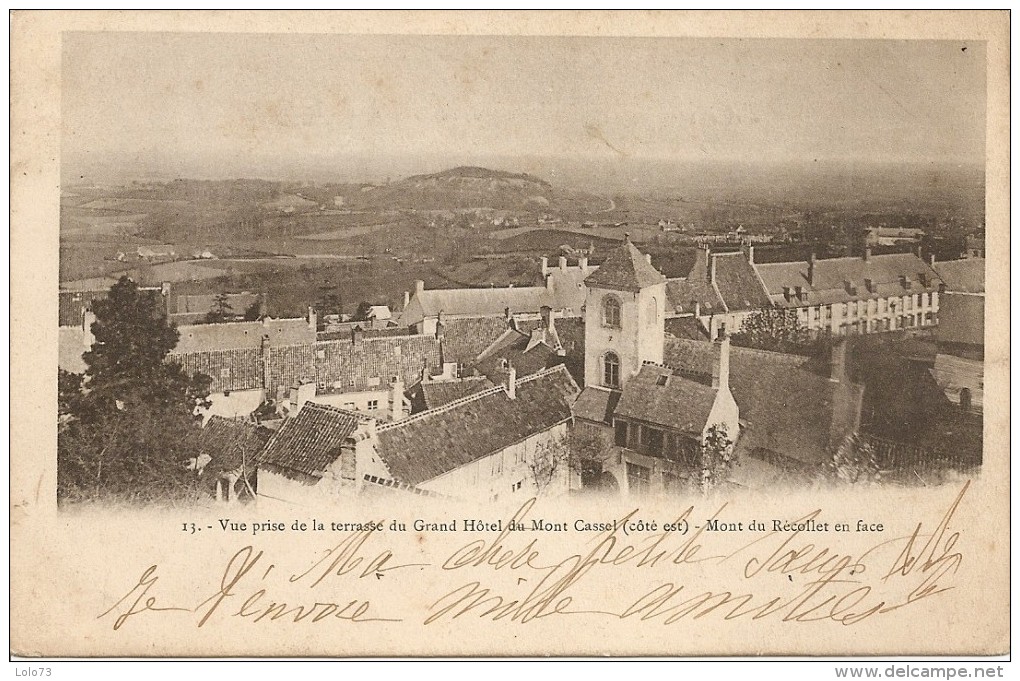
{"points": [[515, 334]]}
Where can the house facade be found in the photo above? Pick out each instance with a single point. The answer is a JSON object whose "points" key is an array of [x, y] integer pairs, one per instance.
{"points": [[505, 442], [856, 295]]}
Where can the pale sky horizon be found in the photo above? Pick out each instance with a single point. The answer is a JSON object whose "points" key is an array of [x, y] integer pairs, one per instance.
{"points": [[226, 103]]}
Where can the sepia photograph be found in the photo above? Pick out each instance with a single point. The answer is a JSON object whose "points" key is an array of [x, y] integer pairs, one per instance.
{"points": [[398, 309]]}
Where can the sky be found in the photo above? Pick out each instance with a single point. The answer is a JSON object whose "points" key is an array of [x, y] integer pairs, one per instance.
{"points": [[274, 105]]}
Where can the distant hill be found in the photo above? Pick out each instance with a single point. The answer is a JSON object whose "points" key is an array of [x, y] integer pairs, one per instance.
{"points": [[465, 187]]}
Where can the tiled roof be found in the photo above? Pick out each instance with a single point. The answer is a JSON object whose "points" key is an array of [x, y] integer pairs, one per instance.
{"points": [[465, 339], [738, 284], [435, 442], [626, 269], [290, 365], [232, 335], [73, 304], [231, 443], [682, 294], [342, 365], [309, 442], [345, 332], [963, 275], [686, 327], [517, 348], [437, 394], [374, 362], [659, 395], [789, 409], [239, 369], [832, 275], [484, 301], [596, 404], [961, 319]]}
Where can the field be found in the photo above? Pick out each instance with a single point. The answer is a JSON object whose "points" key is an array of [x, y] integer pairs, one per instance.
{"points": [[461, 227]]}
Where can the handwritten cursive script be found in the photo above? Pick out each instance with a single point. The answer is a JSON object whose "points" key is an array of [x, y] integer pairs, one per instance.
{"points": [[791, 573]]}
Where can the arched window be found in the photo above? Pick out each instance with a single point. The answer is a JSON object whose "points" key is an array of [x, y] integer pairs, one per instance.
{"points": [[653, 311], [611, 312], [611, 370]]}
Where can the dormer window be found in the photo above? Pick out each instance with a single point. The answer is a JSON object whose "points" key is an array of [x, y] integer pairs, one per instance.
{"points": [[611, 312]]}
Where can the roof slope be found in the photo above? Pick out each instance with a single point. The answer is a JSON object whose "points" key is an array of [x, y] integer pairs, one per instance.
{"points": [[626, 269], [597, 404], [481, 302], [239, 369], [967, 275], [658, 395], [435, 442], [832, 275], [309, 442], [789, 409], [231, 443], [696, 288], [465, 339], [738, 283], [961, 319], [373, 362], [686, 327], [436, 395], [527, 352], [232, 335]]}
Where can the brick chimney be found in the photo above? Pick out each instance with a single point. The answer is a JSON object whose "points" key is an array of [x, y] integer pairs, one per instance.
{"points": [[359, 445], [547, 317], [721, 363], [440, 330], [419, 287], [931, 259], [407, 299], [648, 258], [545, 265], [811, 269], [266, 362], [867, 254], [511, 383], [397, 399], [563, 263], [357, 334], [583, 263]]}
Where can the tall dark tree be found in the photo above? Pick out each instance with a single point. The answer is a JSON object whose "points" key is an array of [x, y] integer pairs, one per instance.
{"points": [[221, 310], [130, 433], [331, 300], [364, 308], [772, 328]]}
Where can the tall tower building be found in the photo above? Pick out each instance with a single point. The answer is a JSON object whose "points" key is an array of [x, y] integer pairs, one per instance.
{"points": [[624, 317]]}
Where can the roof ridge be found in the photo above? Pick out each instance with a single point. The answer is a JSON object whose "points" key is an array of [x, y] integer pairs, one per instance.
{"points": [[330, 408], [468, 398], [442, 408], [259, 322]]}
